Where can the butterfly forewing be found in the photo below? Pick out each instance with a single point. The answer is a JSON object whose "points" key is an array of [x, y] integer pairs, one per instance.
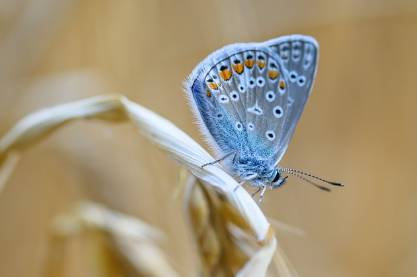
{"points": [[241, 95], [299, 55]]}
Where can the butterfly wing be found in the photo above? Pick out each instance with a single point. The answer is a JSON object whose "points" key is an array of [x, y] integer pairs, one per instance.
{"points": [[239, 95], [299, 56]]}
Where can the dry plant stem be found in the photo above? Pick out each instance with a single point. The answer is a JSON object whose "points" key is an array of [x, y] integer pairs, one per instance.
{"points": [[120, 245], [161, 132], [225, 240]]}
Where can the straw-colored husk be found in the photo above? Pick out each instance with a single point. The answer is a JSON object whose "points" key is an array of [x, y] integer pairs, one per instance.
{"points": [[122, 245], [178, 144], [225, 240]]}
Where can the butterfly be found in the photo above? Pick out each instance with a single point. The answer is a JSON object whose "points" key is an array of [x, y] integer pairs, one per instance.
{"points": [[248, 98]]}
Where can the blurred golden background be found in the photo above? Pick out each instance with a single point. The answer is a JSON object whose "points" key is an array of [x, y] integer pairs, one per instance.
{"points": [[358, 127]]}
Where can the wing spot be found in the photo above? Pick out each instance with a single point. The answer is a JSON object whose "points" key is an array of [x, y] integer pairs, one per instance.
{"points": [[225, 73], [223, 99], [270, 96], [301, 81], [261, 61], [249, 62], [296, 51], [260, 81], [273, 74], [281, 87], [278, 112], [270, 135], [284, 51], [241, 88], [239, 126], [252, 82], [234, 96], [255, 109], [219, 115], [251, 127], [293, 76]]}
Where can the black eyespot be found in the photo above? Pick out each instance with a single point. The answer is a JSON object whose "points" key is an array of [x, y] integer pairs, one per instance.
{"points": [[251, 82], [292, 76], [273, 65], [219, 115], [210, 80], [260, 81], [270, 135], [236, 61], [223, 67], [261, 58], [239, 126], [249, 57]]}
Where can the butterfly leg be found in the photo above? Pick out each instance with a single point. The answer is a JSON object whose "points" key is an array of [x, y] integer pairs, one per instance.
{"points": [[219, 160], [256, 192], [261, 197]]}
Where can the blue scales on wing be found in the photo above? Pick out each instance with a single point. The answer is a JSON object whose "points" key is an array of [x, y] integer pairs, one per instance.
{"points": [[240, 94]]}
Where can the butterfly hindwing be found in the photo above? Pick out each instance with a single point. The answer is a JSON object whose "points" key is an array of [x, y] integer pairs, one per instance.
{"points": [[299, 55], [240, 94]]}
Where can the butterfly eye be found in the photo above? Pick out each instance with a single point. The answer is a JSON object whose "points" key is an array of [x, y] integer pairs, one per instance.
{"points": [[278, 112], [270, 96], [270, 135]]}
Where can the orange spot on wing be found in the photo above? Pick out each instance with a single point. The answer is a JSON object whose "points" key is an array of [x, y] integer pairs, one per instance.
{"points": [[273, 74], [249, 63], [282, 84], [213, 85], [238, 68], [226, 74], [261, 64], [208, 93]]}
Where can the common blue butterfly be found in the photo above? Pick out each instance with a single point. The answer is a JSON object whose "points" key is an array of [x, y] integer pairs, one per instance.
{"points": [[248, 98]]}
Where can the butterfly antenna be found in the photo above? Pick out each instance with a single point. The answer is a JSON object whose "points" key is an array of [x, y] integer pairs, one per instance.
{"points": [[310, 182], [299, 172]]}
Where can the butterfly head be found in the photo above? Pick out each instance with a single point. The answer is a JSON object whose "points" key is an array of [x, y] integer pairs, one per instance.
{"points": [[278, 179]]}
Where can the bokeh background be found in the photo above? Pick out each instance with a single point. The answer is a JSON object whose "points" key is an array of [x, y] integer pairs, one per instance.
{"points": [[358, 127]]}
